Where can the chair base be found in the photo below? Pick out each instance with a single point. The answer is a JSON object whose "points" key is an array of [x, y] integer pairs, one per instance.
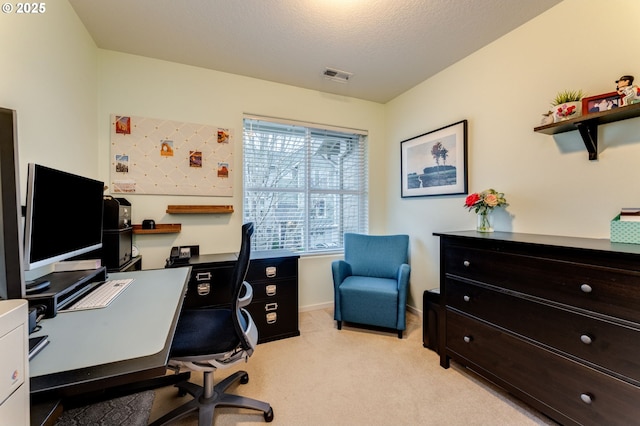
{"points": [[207, 397], [400, 332]]}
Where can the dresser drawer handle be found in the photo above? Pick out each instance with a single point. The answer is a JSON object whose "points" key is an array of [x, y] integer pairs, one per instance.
{"points": [[271, 289], [586, 288], [466, 298], [271, 271], [466, 263], [586, 398], [467, 339], [586, 339]]}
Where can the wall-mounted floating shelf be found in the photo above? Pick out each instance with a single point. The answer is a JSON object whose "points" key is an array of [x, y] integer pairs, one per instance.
{"points": [[588, 124], [195, 209], [161, 228]]}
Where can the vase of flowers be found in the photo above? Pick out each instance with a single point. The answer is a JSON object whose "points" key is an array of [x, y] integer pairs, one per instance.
{"points": [[483, 204]]}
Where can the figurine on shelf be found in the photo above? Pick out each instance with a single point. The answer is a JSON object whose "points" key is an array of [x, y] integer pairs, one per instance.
{"points": [[629, 93]]}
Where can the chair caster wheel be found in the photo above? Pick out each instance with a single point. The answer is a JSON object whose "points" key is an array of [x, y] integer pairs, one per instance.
{"points": [[244, 379], [268, 416]]}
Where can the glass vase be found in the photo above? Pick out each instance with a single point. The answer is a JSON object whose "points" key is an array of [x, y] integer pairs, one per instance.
{"points": [[485, 221]]}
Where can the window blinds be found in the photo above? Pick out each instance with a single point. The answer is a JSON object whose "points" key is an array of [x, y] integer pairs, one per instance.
{"points": [[304, 186]]}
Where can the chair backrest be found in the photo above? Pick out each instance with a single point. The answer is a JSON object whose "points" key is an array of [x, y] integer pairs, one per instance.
{"points": [[376, 255], [237, 280]]}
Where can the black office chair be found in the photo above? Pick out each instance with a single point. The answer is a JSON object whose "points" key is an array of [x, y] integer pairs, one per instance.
{"points": [[211, 338]]}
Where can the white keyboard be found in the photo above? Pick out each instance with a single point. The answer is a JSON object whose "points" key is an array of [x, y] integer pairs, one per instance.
{"points": [[102, 296]]}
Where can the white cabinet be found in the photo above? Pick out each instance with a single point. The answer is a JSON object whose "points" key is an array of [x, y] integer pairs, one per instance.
{"points": [[14, 364]]}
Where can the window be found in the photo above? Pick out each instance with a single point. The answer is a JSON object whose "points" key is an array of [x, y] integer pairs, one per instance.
{"points": [[304, 185]]}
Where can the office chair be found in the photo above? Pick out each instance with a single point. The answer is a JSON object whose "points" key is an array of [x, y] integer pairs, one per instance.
{"points": [[371, 283], [211, 338]]}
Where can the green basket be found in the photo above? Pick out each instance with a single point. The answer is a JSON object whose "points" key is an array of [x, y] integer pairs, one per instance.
{"points": [[625, 232]]}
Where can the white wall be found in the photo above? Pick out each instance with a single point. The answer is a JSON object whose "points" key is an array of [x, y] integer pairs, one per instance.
{"points": [[502, 90], [49, 76], [133, 85]]}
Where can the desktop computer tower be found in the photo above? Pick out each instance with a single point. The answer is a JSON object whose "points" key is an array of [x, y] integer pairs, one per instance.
{"points": [[116, 247]]}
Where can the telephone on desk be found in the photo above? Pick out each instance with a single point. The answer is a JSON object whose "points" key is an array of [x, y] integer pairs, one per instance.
{"points": [[181, 254]]}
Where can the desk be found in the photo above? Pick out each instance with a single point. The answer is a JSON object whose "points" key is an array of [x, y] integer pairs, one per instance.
{"points": [[125, 342]]}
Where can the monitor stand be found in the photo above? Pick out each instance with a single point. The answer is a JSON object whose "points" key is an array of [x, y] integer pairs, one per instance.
{"points": [[64, 288], [37, 285]]}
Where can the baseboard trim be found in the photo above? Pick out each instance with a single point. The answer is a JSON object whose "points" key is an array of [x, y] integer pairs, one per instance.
{"points": [[327, 305]]}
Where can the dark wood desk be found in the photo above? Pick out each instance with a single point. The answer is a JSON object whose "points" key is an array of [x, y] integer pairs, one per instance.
{"points": [[126, 342]]}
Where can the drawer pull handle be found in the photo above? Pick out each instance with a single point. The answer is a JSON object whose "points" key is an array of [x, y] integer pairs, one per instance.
{"points": [[271, 271], [467, 339], [272, 317], [271, 289], [466, 298], [202, 276], [586, 288], [466, 263], [586, 339], [204, 289], [586, 398], [271, 307]]}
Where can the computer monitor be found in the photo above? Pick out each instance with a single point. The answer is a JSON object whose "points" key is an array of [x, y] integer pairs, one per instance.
{"points": [[11, 273], [63, 216]]}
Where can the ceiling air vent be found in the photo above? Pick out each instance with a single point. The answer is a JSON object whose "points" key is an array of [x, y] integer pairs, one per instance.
{"points": [[337, 75]]}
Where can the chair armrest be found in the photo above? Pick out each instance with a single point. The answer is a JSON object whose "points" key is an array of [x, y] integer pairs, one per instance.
{"points": [[246, 299], [340, 270], [403, 289]]}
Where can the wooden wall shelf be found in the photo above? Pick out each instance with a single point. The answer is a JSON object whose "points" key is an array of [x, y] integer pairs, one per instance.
{"points": [[195, 209], [588, 124], [161, 228]]}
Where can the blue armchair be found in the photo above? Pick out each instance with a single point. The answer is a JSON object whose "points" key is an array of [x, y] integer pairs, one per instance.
{"points": [[371, 283]]}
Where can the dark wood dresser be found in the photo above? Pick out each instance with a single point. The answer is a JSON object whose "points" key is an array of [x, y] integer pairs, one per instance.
{"points": [[553, 320]]}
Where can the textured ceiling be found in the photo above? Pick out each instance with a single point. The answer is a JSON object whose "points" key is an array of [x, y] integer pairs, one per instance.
{"points": [[389, 45]]}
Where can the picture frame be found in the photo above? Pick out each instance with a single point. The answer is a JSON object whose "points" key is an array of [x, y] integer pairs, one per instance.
{"points": [[435, 163], [599, 103]]}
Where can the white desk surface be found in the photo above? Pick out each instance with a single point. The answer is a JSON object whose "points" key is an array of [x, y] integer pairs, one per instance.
{"points": [[137, 323]]}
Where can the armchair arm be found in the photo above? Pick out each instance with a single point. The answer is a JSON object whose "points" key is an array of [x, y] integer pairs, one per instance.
{"points": [[403, 287], [340, 270]]}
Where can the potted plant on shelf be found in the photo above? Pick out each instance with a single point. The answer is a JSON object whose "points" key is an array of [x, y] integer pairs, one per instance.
{"points": [[567, 105]]}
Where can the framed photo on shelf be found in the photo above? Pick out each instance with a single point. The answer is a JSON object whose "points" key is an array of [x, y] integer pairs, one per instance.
{"points": [[435, 163], [599, 103]]}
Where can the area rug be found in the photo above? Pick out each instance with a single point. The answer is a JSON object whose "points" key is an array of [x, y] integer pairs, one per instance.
{"points": [[130, 410]]}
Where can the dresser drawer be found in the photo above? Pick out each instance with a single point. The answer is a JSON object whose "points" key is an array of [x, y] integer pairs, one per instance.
{"points": [[580, 393], [605, 290], [209, 286], [269, 289], [604, 343], [272, 268], [275, 317]]}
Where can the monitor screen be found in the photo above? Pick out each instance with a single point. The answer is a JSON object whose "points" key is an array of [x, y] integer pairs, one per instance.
{"points": [[63, 216], [11, 273]]}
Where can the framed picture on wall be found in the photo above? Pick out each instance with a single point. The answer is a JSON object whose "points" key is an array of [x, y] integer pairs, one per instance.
{"points": [[599, 103], [435, 163]]}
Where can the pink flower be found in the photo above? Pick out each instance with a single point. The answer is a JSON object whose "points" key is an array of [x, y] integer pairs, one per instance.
{"points": [[491, 200]]}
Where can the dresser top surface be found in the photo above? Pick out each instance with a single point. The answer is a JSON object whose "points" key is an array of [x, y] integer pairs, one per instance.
{"points": [[599, 244]]}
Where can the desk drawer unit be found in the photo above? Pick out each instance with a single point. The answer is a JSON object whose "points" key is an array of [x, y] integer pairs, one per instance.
{"points": [[274, 308], [207, 286], [554, 320]]}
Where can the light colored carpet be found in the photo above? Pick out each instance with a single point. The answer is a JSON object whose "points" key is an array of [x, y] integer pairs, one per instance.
{"points": [[357, 376]]}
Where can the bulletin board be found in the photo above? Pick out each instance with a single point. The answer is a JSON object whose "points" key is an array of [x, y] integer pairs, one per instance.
{"points": [[165, 157]]}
